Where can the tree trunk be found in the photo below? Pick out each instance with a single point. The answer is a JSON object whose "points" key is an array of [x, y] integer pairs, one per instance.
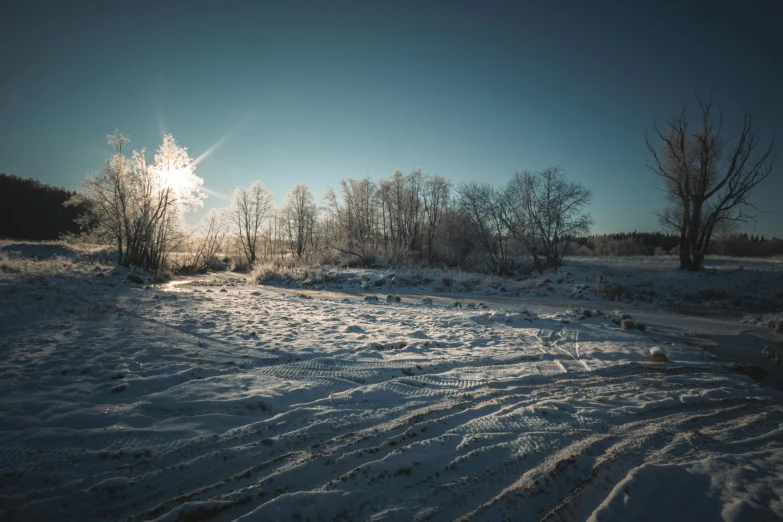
{"points": [[698, 260], [685, 252]]}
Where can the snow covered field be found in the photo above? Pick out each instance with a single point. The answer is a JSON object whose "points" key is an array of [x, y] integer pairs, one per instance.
{"points": [[725, 283], [191, 402]]}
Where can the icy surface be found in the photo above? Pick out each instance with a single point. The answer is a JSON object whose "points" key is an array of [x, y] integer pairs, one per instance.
{"points": [[124, 402]]}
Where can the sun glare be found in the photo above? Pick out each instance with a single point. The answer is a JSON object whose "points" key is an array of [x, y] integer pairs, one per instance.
{"points": [[177, 180]]}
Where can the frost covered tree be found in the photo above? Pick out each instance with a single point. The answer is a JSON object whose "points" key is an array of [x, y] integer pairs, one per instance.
{"points": [[707, 178], [107, 195], [138, 205], [400, 217], [402, 212], [250, 210], [174, 170], [353, 220], [299, 217]]}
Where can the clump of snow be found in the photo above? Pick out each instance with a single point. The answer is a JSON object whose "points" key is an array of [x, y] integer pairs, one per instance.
{"points": [[657, 354]]}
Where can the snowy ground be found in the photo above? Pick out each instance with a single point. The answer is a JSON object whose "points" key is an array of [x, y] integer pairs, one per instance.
{"points": [[197, 402]]}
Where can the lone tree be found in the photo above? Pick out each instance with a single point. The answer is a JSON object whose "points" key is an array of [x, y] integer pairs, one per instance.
{"points": [[707, 179]]}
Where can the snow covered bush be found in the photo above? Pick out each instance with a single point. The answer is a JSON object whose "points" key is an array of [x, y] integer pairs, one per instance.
{"points": [[628, 324], [611, 291]]}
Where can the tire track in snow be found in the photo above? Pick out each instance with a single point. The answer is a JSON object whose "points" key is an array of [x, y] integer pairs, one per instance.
{"points": [[491, 424]]}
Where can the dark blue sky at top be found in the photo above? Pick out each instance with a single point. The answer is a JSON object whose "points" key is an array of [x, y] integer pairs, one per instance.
{"points": [[313, 92]]}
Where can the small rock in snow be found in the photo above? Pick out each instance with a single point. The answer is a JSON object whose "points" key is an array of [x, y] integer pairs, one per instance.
{"points": [[371, 298], [426, 301], [657, 354], [393, 298]]}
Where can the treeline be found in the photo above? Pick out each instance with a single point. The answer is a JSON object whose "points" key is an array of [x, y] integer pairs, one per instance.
{"points": [[414, 218], [627, 244], [527, 224], [657, 243], [740, 245], [30, 209]]}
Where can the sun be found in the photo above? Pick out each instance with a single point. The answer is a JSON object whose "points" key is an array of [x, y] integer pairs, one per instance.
{"points": [[178, 180]]}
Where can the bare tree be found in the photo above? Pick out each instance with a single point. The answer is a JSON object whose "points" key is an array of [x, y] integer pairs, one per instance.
{"points": [[481, 206], [206, 241], [251, 208], [299, 215], [544, 211], [402, 212], [707, 180], [106, 194], [436, 198], [353, 222]]}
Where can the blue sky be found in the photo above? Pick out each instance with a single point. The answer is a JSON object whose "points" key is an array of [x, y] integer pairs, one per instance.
{"points": [[312, 92]]}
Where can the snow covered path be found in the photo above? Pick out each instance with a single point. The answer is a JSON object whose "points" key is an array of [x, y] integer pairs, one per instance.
{"points": [[123, 403]]}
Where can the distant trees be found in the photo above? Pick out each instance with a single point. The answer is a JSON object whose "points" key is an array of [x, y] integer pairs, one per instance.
{"points": [[740, 245], [707, 179], [402, 218], [30, 209], [250, 210], [627, 244], [415, 216], [137, 205]]}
